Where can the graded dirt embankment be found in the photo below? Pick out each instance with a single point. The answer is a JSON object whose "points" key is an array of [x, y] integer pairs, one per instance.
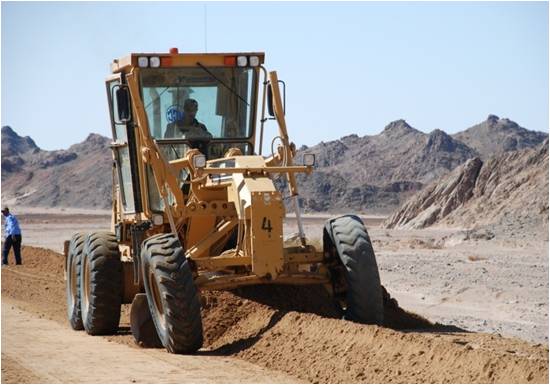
{"points": [[296, 331]]}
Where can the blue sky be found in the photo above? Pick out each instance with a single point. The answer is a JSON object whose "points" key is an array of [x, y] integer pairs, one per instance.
{"points": [[349, 67]]}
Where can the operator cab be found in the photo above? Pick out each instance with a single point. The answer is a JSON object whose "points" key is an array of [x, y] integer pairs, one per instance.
{"points": [[202, 101], [223, 100], [223, 87]]}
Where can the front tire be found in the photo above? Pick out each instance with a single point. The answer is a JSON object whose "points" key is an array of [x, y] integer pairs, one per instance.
{"points": [[101, 284], [353, 266], [74, 259], [171, 294]]}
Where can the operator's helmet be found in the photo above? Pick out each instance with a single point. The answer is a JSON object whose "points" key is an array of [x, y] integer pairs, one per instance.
{"points": [[190, 105]]}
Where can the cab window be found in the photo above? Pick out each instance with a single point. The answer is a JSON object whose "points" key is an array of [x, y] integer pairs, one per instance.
{"points": [[223, 100]]}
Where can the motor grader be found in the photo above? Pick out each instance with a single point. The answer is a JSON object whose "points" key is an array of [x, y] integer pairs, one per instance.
{"points": [[195, 206]]}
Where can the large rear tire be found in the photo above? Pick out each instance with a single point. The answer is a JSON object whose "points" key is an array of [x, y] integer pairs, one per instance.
{"points": [[101, 284], [354, 266], [74, 258], [171, 294]]}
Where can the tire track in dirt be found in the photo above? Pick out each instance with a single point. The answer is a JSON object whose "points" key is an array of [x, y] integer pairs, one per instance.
{"points": [[297, 331]]}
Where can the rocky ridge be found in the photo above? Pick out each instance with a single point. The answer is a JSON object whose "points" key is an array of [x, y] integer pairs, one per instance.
{"points": [[378, 173], [373, 173], [77, 177], [507, 190], [497, 135]]}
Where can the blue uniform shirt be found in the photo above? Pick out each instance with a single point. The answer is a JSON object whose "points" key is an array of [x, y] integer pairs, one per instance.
{"points": [[12, 226]]}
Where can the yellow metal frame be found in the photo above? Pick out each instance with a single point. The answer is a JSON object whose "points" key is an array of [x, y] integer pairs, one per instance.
{"points": [[246, 203]]}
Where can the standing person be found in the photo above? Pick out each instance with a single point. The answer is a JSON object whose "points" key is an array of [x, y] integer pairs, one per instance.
{"points": [[13, 237]]}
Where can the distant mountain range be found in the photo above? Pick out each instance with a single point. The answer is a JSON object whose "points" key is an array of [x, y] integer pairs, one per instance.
{"points": [[373, 173], [377, 173]]}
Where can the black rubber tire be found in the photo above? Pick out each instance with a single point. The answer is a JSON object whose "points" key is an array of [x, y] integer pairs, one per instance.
{"points": [[350, 239], [72, 288], [171, 294], [101, 284]]}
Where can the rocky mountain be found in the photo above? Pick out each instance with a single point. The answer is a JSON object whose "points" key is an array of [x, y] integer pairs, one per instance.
{"points": [[379, 172], [14, 145], [77, 177], [399, 153], [510, 189], [496, 135]]}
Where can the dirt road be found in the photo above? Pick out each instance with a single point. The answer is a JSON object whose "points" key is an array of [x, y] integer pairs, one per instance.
{"points": [[54, 354], [276, 328]]}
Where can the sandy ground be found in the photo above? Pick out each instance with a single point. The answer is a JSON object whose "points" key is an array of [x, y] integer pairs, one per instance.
{"points": [[495, 286], [49, 229], [492, 286], [275, 328], [51, 353]]}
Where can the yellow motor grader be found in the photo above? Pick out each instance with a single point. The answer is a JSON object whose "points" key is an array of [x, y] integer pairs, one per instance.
{"points": [[195, 207]]}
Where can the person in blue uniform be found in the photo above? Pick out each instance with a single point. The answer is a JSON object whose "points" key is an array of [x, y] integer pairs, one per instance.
{"points": [[12, 232]]}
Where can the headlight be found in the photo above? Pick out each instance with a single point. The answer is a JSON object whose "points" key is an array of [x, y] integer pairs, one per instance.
{"points": [[199, 161], [308, 159], [157, 220], [143, 61], [242, 61], [254, 61], [154, 61]]}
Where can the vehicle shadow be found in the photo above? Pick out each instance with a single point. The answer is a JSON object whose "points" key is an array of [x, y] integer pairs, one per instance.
{"points": [[244, 343], [397, 318]]}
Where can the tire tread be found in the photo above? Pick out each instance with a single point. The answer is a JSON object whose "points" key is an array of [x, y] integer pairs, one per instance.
{"points": [[105, 298], [180, 298], [76, 248], [354, 248]]}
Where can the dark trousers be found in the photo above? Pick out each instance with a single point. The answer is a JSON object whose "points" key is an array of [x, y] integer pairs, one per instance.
{"points": [[8, 243]]}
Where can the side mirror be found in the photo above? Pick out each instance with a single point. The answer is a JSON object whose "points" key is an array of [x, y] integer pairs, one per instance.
{"points": [[122, 98], [270, 109]]}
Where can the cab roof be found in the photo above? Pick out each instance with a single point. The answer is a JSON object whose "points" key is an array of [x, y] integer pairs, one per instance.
{"points": [[176, 59]]}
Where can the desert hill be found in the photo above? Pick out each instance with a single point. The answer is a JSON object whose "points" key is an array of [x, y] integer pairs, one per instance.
{"points": [[496, 135], [14, 145], [506, 190], [77, 177], [379, 172]]}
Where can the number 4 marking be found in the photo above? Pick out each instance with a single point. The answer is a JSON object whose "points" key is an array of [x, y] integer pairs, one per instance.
{"points": [[266, 225]]}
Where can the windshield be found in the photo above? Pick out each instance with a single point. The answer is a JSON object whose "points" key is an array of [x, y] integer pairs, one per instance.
{"points": [[198, 103]]}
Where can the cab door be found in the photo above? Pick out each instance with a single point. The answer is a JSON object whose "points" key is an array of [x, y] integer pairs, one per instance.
{"points": [[124, 149]]}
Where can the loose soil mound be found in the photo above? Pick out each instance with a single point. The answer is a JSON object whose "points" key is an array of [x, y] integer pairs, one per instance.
{"points": [[297, 330]]}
